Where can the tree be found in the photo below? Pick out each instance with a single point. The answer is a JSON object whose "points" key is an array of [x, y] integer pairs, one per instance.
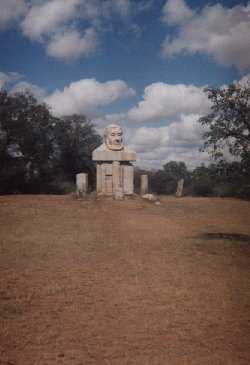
{"points": [[229, 121], [39, 152], [165, 181], [28, 157], [203, 180], [76, 138]]}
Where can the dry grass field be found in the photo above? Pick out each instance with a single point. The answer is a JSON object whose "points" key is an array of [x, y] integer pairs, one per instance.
{"points": [[124, 282]]}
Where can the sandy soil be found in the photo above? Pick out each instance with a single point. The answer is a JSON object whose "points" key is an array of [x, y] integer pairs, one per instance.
{"points": [[110, 283]]}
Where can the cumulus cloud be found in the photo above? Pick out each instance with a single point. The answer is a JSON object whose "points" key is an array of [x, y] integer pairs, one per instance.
{"points": [[244, 81], [99, 10], [218, 31], [178, 141], [46, 17], [84, 96], [184, 132], [10, 11], [8, 77], [69, 28], [96, 10], [101, 121], [52, 23], [23, 86], [72, 45], [123, 6], [176, 12], [166, 100]]}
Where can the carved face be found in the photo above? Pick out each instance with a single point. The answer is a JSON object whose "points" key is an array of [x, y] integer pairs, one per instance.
{"points": [[114, 137]]}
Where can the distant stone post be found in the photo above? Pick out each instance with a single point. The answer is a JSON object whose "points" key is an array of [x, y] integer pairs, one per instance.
{"points": [[179, 190], [144, 184], [81, 185]]}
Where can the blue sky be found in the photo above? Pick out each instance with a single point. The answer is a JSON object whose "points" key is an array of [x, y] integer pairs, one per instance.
{"points": [[141, 63]]}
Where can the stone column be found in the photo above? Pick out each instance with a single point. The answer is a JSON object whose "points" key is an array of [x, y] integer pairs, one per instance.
{"points": [[128, 179], [98, 178], [117, 186], [179, 190], [81, 185], [144, 184]]}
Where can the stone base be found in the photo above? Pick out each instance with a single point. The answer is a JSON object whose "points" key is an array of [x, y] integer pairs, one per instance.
{"points": [[115, 179]]}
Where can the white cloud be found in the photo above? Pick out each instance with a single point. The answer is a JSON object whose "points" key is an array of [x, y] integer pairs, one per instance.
{"points": [[101, 121], [10, 10], [166, 100], [8, 77], [220, 32], [52, 23], [98, 10], [72, 45], [69, 28], [184, 132], [145, 139], [244, 81], [176, 12], [122, 6], [178, 141], [23, 86], [85, 96], [46, 17]]}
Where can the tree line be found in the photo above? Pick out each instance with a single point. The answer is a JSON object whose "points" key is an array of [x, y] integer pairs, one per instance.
{"points": [[221, 179], [41, 153]]}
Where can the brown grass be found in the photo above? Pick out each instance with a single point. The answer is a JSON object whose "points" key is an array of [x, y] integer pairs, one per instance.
{"points": [[114, 283]]}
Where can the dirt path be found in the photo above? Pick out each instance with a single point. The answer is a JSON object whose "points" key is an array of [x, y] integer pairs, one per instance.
{"points": [[111, 283]]}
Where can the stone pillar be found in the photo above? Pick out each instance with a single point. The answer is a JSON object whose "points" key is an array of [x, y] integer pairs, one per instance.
{"points": [[179, 190], [128, 179], [117, 184], [81, 184], [144, 184], [98, 178], [106, 178]]}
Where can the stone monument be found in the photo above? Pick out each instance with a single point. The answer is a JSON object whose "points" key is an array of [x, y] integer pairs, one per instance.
{"points": [[179, 190], [114, 170], [144, 184], [81, 185]]}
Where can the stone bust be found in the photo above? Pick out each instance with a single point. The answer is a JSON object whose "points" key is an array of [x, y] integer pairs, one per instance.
{"points": [[113, 137], [112, 148]]}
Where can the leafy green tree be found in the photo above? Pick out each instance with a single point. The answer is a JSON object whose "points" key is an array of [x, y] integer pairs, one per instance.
{"points": [[28, 127], [39, 150], [228, 128], [228, 123], [165, 181], [76, 138], [203, 182]]}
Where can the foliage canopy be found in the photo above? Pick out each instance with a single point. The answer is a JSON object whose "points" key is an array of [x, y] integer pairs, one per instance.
{"points": [[37, 148], [228, 124]]}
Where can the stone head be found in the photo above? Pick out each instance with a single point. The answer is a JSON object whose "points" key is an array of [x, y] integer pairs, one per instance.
{"points": [[113, 137]]}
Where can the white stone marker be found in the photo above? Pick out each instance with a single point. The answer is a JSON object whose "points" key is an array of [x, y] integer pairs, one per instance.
{"points": [[179, 190], [81, 185], [144, 184]]}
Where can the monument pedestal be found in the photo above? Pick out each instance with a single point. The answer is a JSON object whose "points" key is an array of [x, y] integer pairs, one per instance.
{"points": [[114, 172]]}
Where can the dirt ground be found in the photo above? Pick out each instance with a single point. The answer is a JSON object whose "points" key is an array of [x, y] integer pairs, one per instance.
{"points": [[124, 282]]}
